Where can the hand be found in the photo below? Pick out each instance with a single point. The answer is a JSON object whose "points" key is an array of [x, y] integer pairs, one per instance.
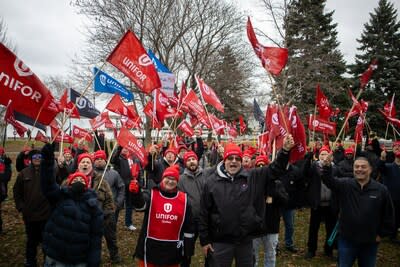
{"points": [[383, 155], [197, 133], [60, 160], [378, 239], [206, 248], [327, 161], [153, 150], [48, 152], [288, 142], [134, 186]]}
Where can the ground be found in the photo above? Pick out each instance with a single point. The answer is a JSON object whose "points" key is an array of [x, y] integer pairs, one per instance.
{"points": [[12, 241]]}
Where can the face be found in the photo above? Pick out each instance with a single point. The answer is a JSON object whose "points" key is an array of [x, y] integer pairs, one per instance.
{"points": [[36, 160], [220, 150], [78, 179], [396, 148], [362, 170], [233, 164], [246, 162], [192, 164], [68, 156], [99, 163], [170, 157], [323, 155], [349, 155], [125, 152], [85, 166], [169, 183], [182, 152]]}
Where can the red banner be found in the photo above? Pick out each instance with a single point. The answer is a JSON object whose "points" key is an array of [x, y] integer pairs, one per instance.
{"points": [[321, 125], [209, 95], [78, 132], [273, 59], [10, 119], [116, 105], [185, 127], [131, 58], [19, 84], [127, 140]]}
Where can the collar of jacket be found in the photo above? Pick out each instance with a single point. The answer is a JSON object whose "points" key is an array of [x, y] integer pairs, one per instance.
{"points": [[191, 174], [222, 174]]}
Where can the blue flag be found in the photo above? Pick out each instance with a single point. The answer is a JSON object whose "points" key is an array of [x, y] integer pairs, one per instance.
{"points": [[167, 78], [85, 107], [104, 83], [258, 114]]}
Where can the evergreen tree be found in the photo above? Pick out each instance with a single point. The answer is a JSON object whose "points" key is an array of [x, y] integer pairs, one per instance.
{"points": [[314, 57], [379, 40]]}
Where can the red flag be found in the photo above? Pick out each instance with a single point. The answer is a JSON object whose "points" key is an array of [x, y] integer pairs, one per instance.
{"points": [[185, 127], [9, 118], [78, 132], [209, 95], [321, 125], [127, 140], [197, 108], [390, 109], [100, 120], [242, 124], [366, 76], [322, 102], [182, 95], [231, 130], [148, 110], [41, 137], [392, 120], [358, 133], [360, 107], [217, 124], [63, 101], [19, 84], [163, 107], [116, 105], [299, 136], [263, 140], [273, 59], [131, 58], [59, 136], [129, 124]]}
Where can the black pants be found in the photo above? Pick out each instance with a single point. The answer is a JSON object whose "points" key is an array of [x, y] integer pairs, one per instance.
{"points": [[317, 216], [396, 206], [224, 253], [110, 234], [34, 231]]}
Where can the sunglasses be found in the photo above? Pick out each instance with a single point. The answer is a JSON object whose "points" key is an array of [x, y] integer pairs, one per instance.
{"points": [[37, 156], [231, 158]]}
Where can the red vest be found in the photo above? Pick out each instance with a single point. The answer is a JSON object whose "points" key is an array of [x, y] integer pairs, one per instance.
{"points": [[166, 216]]}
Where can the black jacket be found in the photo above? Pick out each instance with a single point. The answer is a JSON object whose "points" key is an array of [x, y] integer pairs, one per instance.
{"points": [[345, 168], [364, 212], [232, 209], [295, 186]]}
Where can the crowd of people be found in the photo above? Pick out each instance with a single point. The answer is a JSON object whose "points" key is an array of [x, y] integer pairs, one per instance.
{"points": [[229, 197]]}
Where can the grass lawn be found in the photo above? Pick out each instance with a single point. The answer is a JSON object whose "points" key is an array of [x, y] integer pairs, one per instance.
{"points": [[12, 241]]}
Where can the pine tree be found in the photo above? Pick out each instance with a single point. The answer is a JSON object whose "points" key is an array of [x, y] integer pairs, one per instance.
{"points": [[314, 57], [379, 40]]}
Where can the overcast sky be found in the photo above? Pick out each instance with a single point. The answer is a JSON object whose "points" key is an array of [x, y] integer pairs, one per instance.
{"points": [[48, 33]]}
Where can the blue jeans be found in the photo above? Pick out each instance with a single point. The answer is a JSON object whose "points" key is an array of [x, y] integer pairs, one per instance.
{"points": [[350, 251], [128, 208], [269, 242], [288, 219]]}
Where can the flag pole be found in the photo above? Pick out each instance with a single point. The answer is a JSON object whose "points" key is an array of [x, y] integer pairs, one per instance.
{"points": [[108, 162], [277, 100], [62, 134], [208, 115]]}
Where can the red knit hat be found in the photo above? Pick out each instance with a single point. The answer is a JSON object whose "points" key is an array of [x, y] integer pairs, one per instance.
{"points": [[72, 177], [172, 171], [182, 146], [172, 150], [396, 143], [1, 151], [325, 148], [100, 154], [349, 150], [189, 154], [232, 149], [85, 155], [67, 150], [262, 159]]}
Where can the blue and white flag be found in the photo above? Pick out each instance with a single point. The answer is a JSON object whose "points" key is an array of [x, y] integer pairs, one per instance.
{"points": [[104, 83], [167, 78]]}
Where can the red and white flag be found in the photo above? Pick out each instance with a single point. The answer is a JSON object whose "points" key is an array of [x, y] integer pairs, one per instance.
{"points": [[242, 125], [149, 111], [185, 127], [273, 59], [57, 135], [322, 102], [358, 133], [130, 57], [80, 133], [321, 125], [197, 108], [10, 119], [218, 125], [209, 95], [366, 76], [116, 105], [100, 120], [263, 140], [67, 106], [20, 85], [127, 140], [392, 120], [299, 136], [390, 108], [41, 137]]}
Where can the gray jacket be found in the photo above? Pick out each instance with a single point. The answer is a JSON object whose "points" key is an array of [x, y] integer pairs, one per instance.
{"points": [[192, 184], [116, 184]]}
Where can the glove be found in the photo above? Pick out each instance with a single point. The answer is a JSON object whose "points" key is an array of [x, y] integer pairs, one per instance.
{"points": [[134, 186], [48, 152]]}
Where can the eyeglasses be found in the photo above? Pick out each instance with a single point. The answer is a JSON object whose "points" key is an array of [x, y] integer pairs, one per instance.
{"points": [[231, 158], [37, 156], [260, 165]]}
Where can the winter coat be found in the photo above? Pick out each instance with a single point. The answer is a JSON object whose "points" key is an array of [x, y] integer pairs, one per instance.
{"points": [[192, 184], [295, 186], [116, 184], [345, 168], [28, 196]]}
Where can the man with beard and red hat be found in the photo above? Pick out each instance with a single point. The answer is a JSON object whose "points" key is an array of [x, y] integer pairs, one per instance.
{"points": [[155, 168], [232, 206], [391, 178], [72, 235], [167, 232]]}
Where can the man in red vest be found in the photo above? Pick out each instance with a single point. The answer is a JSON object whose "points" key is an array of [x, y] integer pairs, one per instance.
{"points": [[167, 228]]}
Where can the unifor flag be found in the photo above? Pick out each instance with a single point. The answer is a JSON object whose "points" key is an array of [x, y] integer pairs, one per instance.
{"points": [[217, 124], [366, 76], [28, 120], [167, 78], [10, 119], [392, 120], [263, 140], [390, 108], [358, 133], [135, 147], [185, 127], [149, 111], [299, 136], [197, 108], [182, 94], [41, 137], [104, 83], [258, 114], [131, 58], [67, 106], [231, 130], [209, 94], [322, 103], [273, 59], [85, 107], [58, 135], [321, 125], [116, 105], [129, 123], [100, 120], [80, 133], [19, 84], [163, 107]]}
